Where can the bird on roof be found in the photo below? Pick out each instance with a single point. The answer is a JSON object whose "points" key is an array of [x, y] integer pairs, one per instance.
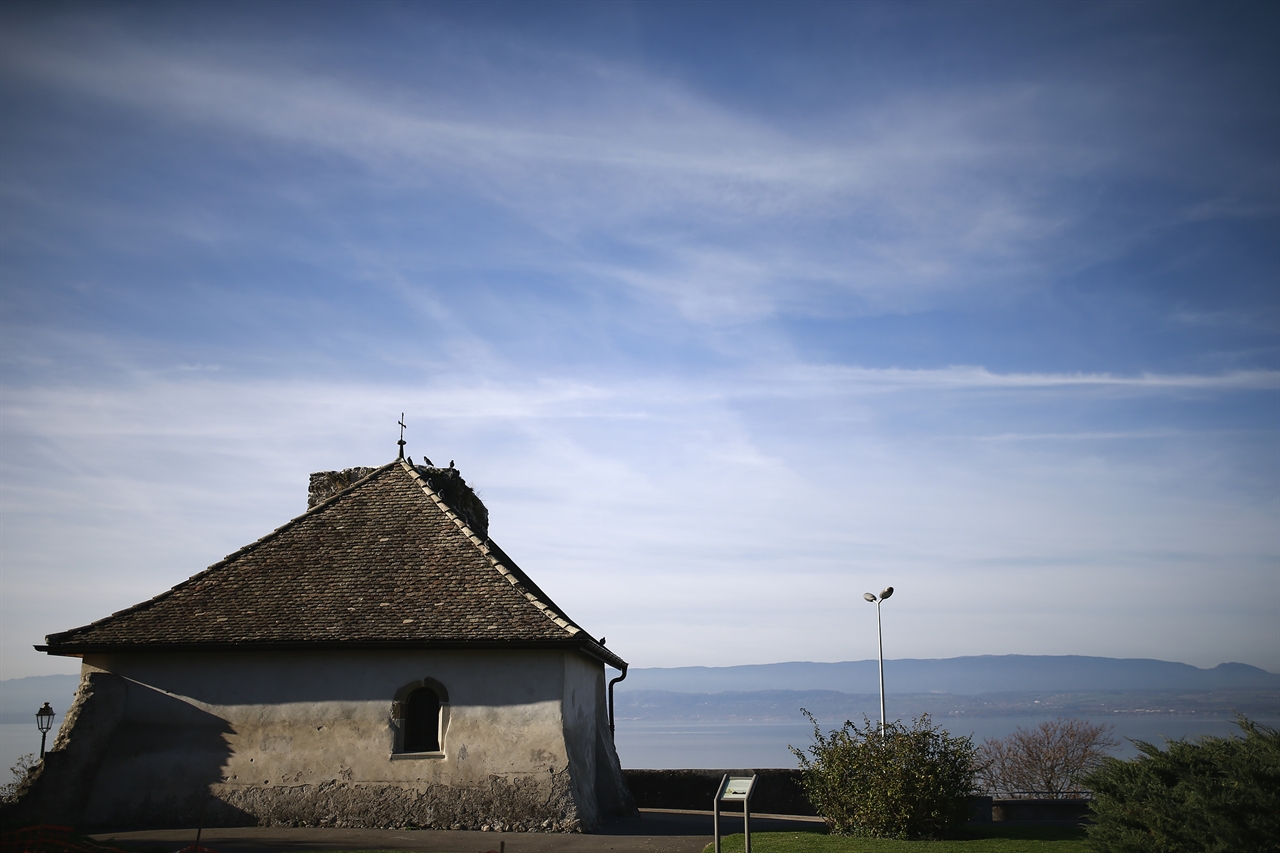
{"points": [[602, 641], [450, 463], [427, 461]]}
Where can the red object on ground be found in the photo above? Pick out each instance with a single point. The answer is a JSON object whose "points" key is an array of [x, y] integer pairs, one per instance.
{"points": [[44, 838]]}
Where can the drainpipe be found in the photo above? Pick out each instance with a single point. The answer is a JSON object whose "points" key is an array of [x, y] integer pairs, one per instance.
{"points": [[611, 683]]}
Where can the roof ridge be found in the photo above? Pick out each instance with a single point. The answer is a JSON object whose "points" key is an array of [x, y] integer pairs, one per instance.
{"points": [[512, 577], [143, 605]]}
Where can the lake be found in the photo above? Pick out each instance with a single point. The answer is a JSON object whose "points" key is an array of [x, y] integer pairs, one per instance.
{"points": [[662, 745]]}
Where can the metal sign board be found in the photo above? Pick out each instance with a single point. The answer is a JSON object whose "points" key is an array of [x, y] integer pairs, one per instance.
{"points": [[734, 789]]}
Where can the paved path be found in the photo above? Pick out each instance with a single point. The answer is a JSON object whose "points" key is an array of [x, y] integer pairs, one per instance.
{"points": [[654, 831]]}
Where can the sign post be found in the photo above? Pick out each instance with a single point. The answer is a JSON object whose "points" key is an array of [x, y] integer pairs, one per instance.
{"points": [[734, 789]]}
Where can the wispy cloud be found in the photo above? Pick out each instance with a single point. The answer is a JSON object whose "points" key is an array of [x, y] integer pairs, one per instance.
{"points": [[800, 317], [915, 200], [978, 377], [683, 490]]}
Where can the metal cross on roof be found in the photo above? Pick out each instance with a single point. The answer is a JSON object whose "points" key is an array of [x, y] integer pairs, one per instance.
{"points": [[401, 441]]}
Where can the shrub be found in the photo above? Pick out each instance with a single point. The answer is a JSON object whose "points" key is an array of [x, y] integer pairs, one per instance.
{"points": [[20, 770], [911, 783], [1048, 761], [1210, 794]]}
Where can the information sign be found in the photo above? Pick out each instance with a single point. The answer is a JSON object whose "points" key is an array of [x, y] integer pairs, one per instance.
{"points": [[734, 789]]}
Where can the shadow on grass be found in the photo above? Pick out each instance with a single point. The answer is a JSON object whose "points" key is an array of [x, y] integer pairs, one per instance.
{"points": [[1026, 833], [976, 839]]}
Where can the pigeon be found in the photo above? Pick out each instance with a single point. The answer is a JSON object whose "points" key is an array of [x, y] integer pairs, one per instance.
{"points": [[427, 461], [450, 463]]}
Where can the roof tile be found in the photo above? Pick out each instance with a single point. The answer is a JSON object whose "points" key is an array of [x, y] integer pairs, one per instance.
{"points": [[383, 561]]}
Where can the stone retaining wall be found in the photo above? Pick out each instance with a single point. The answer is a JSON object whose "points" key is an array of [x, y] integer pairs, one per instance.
{"points": [[778, 791], [1037, 811]]}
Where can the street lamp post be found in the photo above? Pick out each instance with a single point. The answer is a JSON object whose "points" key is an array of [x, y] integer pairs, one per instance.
{"points": [[44, 722], [884, 593]]}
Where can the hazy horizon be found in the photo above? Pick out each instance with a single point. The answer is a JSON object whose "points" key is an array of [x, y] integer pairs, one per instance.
{"points": [[870, 661], [953, 657]]}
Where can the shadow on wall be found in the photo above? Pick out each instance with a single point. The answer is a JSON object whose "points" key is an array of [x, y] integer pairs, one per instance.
{"points": [[281, 678], [612, 793], [163, 754]]}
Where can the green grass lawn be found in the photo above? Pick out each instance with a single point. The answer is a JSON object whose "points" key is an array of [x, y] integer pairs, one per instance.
{"points": [[1012, 839]]}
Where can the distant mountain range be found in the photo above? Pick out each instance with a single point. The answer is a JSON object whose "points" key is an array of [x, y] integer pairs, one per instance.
{"points": [[828, 705], [848, 686], [962, 676], [20, 698]]}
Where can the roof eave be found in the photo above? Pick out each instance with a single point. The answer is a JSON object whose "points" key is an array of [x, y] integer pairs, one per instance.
{"points": [[585, 645]]}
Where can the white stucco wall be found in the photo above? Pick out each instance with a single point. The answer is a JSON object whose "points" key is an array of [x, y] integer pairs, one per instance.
{"points": [[585, 710], [308, 737]]}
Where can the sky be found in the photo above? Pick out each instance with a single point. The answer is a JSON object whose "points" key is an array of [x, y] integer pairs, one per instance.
{"points": [[731, 312]]}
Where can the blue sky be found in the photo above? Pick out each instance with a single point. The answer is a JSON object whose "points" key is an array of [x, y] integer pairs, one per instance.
{"points": [[731, 311]]}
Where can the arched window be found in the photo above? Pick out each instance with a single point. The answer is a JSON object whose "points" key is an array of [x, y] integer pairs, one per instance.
{"points": [[422, 721]]}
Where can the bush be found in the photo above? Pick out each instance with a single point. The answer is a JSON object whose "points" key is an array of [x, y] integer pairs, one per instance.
{"points": [[1211, 794], [1047, 761], [20, 770], [912, 783]]}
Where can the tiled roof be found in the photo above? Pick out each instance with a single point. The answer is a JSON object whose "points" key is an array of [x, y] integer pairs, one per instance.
{"points": [[385, 562]]}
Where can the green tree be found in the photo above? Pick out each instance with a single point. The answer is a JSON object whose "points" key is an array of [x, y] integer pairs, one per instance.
{"points": [[1212, 794], [911, 783]]}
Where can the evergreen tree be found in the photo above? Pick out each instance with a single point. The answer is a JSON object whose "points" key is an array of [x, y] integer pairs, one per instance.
{"points": [[1209, 795]]}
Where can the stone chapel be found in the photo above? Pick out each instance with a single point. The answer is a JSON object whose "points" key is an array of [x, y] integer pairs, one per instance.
{"points": [[377, 661]]}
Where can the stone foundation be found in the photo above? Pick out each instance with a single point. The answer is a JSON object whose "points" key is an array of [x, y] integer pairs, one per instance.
{"points": [[501, 805]]}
